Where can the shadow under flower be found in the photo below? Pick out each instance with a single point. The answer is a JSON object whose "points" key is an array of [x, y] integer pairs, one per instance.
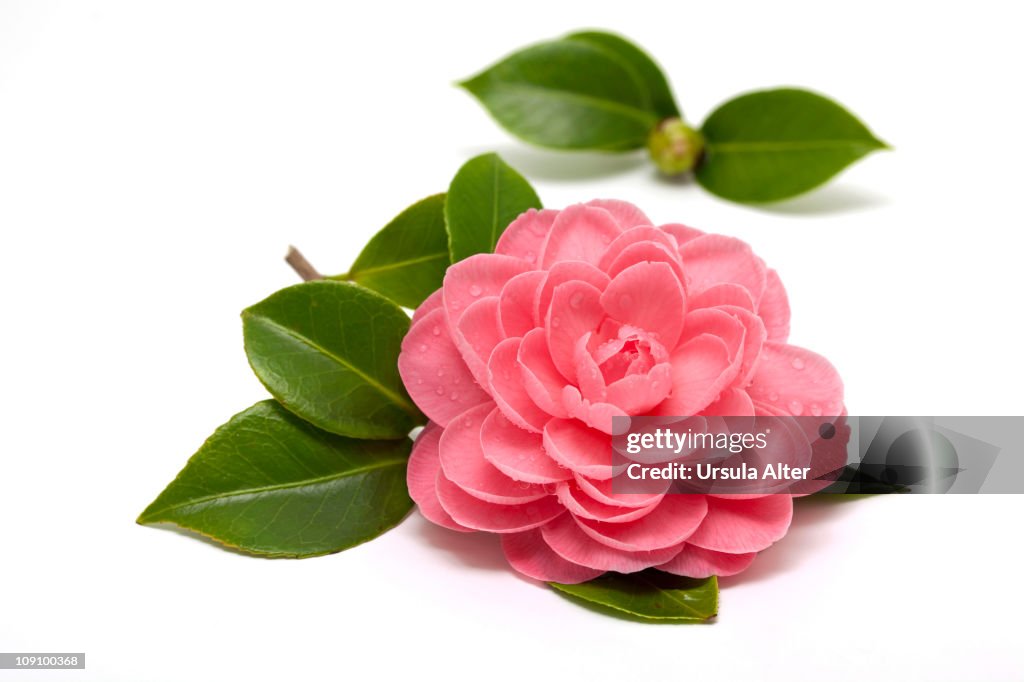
{"points": [[803, 538], [476, 550]]}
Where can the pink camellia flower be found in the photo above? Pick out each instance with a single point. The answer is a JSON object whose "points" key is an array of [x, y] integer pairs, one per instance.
{"points": [[523, 357]]}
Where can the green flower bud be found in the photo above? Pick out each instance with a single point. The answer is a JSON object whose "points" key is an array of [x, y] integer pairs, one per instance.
{"points": [[675, 147]]}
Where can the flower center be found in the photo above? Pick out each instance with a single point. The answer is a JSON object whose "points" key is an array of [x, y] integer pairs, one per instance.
{"points": [[622, 350]]}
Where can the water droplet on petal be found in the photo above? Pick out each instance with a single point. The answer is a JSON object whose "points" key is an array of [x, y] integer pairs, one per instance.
{"points": [[795, 408], [439, 390], [456, 380], [555, 322], [453, 396], [576, 300], [440, 372], [773, 396], [530, 256], [626, 301], [798, 363], [475, 290], [436, 331], [816, 410], [423, 348], [419, 381]]}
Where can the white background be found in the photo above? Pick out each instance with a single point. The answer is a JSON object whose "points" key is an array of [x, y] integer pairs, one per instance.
{"points": [[157, 158]]}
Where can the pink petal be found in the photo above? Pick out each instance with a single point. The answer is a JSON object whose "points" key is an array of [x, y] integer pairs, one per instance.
{"points": [[524, 237], [572, 544], [694, 562], [626, 214], [753, 340], [434, 373], [716, 259], [507, 388], [518, 303], [579, 448], [474, 513], [517, 453], [601, 491], [588, 374], [774, 309], [635, 236], [530, 555], [648, 252], [575, 311], [796, 381], [722, 294], [429, 305], [586, 507], [421, 477], [580, 233], [733, 402], [479, 331], [463, 463], [739, 526], [718, 323], [701, 370], [599, 415], [568, 271], [541, 379], [681, 233], [595, 415], [638, 393], [674, 519], [476, 277], [648, 296]]}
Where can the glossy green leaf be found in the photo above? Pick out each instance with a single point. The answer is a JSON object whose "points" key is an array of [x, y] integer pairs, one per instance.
{"points": [[485, 196], [775, 144], [645, 70], [650, 595], [567, 94], [407, 259], [269, 483], [328, 351]]}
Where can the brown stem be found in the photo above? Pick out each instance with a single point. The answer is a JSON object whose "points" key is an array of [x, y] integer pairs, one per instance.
{"points": [[301, 266]]}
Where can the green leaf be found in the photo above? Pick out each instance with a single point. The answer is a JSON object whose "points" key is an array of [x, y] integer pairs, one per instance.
{"points": [[775, 144], [485, 196], [645, 70], [328, 351], [407, 259], [269, 483], [650, 595], [567, 94]]}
